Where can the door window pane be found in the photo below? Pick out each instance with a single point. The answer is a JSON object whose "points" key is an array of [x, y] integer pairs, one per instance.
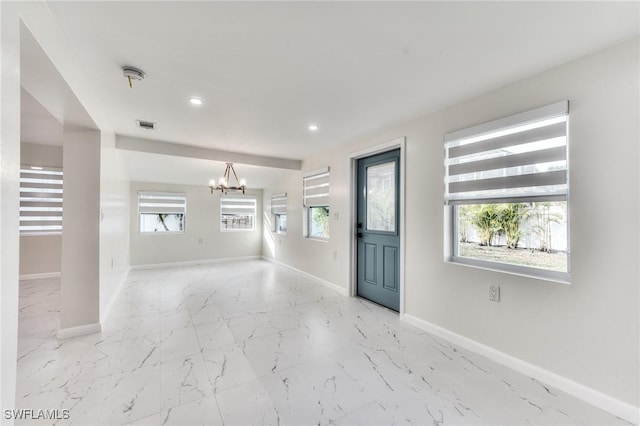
{"points": [[381, 197]]}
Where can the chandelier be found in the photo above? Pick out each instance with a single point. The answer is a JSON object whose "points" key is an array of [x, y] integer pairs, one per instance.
{"points": [[224, 185]]}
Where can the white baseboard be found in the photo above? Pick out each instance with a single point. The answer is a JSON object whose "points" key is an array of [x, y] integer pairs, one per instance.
{"points": [[332, 286], [104, 316], [605, 402], [81, 330], [194, 262], [40, 276]]}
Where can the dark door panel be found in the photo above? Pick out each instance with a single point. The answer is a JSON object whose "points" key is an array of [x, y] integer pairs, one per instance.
{"points": [[379, 229]]}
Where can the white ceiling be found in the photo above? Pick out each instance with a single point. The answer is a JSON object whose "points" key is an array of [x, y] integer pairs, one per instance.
{"points": [[267, 69]]}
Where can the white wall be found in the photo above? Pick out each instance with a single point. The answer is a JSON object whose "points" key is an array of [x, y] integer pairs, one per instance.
{"points": [[9, 199], [202, 239], [587, 331], [80, 284], [40, 254], [35, 154], [324, 259], [37, 17], [114, 223]]}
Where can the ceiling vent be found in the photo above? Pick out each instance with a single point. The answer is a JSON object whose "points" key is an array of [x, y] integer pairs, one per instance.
{"points": [[149, 125]]}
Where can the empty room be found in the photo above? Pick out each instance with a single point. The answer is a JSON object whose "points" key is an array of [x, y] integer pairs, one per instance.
{"points": [[305, 213]]}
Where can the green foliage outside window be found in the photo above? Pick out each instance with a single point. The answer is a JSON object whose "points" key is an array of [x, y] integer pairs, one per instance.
{"points": [[319, 222]]}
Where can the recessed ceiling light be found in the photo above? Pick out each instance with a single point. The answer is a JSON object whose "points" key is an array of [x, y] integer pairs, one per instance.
{"points": [[195, 101], [313, 127]]}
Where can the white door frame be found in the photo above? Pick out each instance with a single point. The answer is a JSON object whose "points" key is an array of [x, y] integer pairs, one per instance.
{"points": [[354, 157]]}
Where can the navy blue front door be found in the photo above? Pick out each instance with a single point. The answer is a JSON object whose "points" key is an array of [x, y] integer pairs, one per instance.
{"points": [[378, 229]]}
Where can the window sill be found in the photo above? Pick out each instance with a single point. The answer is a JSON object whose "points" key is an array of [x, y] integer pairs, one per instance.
{"points": [[521, 271], [322, 240], [162, 233]]}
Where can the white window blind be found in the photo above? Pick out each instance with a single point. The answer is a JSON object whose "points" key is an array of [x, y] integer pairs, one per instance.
{"points": [[315, 190], [279, 204], [161, 212], [237, 205], [237, 213], [162, 202], [518, 158], [40, 200]]}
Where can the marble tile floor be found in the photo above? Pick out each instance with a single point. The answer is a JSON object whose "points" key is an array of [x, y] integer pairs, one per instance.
{"points": [[255, 343]]}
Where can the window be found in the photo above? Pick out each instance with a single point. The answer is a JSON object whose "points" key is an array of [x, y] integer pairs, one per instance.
{"points": [[381, 197], [237, 213], [319, 222], [40, 200], [281, 223], [507, 183], [161, 212], [315, 197], [279, 212]]}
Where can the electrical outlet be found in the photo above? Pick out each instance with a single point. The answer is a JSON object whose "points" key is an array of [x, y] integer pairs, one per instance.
{"points": [[335, 255], [200, 240], [494, 293]]}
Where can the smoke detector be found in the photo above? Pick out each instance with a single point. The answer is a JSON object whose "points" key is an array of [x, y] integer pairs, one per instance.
{"points": [[132, 73]]}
